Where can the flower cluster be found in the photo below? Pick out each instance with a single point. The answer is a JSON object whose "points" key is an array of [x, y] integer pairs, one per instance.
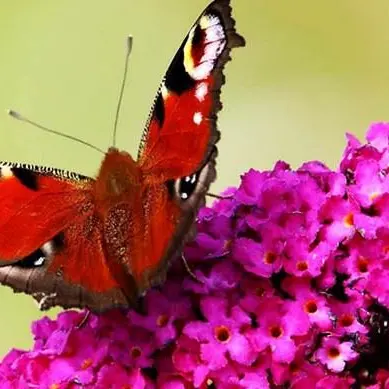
{"points": [[291, 290]]}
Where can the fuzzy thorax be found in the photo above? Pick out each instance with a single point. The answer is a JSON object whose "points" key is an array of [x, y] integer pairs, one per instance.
{"points": [[118, 180]]}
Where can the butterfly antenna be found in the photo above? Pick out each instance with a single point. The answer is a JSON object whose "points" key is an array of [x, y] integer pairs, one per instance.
{"points": [[18, 116], [119, 104]]}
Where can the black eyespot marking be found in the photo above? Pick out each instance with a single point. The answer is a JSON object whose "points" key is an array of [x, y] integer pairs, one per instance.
{"points": [[38, 257], [186, 186], [182, 188], [35, 259], [27, 177], [159, 109], [177, 79]]}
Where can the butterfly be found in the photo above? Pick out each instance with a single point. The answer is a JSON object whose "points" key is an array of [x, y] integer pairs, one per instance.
{"points": [[75, 241]]}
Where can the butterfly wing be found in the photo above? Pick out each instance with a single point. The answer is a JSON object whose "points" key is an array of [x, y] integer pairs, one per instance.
{"points": [[177, 153], [51, 243], [181, 131]]}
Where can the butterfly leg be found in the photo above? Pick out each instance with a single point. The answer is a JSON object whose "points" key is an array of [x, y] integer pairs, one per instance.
{"points": [[220, 197], [83, 320], [44, 300], [189, 270]]}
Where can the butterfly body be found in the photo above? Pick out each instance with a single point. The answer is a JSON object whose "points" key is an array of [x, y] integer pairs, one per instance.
{"points": [[76, 241]]}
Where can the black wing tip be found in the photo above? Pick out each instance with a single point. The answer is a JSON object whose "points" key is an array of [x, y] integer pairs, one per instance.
{"points": [[236, 40]]}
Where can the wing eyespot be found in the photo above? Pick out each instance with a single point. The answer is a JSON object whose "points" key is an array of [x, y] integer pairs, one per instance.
{"points": [[186, 186], [35, 259], [39, 257], [186, 189]]}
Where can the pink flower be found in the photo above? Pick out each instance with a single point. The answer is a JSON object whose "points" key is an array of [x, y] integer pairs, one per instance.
{"points": [[279, 324], [114, 376], [222, 334], [363, 257], [236, 376], [378, 136], [163, 311], [214, 235], [335, 354], [188, 362], [347, 314], [260, 259], [337, 216], [251, 187], [224, 275], [370, 183], [378, 285], [302, 260], [309, 302]]}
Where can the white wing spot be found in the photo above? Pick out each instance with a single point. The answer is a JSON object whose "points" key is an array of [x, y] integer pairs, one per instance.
{"points": [[164, 91], [214, 34], [203, 70], [40, 261], [6, 172], [201, 91], [197, 118]]}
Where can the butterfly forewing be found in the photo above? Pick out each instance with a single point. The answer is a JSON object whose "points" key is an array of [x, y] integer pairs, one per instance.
{"points": [[181, 130], [177, 153]]}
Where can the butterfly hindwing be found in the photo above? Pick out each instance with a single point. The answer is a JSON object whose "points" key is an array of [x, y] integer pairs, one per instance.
{"points": [[50, 244]]}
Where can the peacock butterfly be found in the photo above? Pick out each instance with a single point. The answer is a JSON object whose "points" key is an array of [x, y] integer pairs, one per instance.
{"points": [[74, 241]]}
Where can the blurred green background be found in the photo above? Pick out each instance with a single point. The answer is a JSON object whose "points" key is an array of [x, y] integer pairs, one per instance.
{"points": [[310, 72]]}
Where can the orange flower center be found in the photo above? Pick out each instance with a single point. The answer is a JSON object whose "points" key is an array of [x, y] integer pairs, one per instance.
{"points": [[363, 265], [162, 320], [136, 352], [223, 334], [333, 352], [302, 266], [293, 367], [87, 363], [374, 195], [346, 320], [275, 331], [227, 244], [310, 306], [349, 220], [260, 292], [269, 258]]}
